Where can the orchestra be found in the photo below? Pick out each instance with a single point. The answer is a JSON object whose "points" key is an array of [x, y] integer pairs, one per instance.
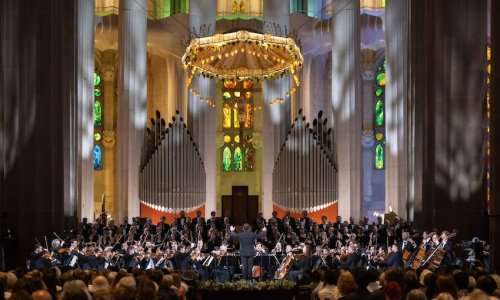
{"points": [[285, 248]]}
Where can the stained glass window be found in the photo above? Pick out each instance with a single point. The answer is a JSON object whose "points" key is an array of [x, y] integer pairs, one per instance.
{"points": [[226, 122], [97, 79], [249, 120], [249, 161], [97, 136], [97, 113], [379, 113], [237, 154], [235, 116], [97, 157], [238, 164], [226, 159], [379, 156], [379, 116]]}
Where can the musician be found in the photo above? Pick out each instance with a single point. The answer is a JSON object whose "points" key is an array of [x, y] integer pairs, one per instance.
{"points": [[38, 258], [448, 247], [125, 226], [181, 220], [223, 269], [288, 220], [87, 258], [194, 262], [407, 246], [213, 222], [396, 257], [324, 225], [199, 220], [306, 221], [247, 252], [301, 262], [338, 223], [162, 225], [258, 221], [275, 217], [180, 257], [426, 241], [352, 259]]}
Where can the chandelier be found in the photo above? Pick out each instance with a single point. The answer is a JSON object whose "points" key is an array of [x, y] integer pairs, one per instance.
{"points": [[242, 55]]}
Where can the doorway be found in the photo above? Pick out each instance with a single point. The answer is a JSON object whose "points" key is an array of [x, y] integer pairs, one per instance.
{"points": [[241, 207]]}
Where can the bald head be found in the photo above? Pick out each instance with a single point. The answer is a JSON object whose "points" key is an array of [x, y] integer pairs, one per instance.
{"points": [[41, 295]]}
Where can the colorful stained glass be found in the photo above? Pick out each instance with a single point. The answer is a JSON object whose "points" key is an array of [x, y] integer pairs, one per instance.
{"points": [[227, 139], [379, 136], [488, 53], [226, 159], [238, 164], [249, 120], [379, 92], [97, 157], [379, 113], [97, 79], [226, 117], [97, 92], [379, 156], [247, 84], [237, 94], [97, 113], [226, 95], [237, 139], [249, 159], [229, 84], [97, 136], [236, 124], [380, 79], [248, 95]]}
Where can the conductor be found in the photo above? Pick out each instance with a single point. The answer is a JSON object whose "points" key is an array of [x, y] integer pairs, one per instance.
{"points": [[247, 250]]}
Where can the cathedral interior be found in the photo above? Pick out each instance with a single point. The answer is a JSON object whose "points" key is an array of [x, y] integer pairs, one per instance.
{"points": [[146, 108]]}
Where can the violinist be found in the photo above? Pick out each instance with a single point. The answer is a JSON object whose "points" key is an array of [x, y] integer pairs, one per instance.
{"points": [[223, 271], [39, 258], [352, 259], [181, 256], [195, 261], [395, 258], [87, 258]]}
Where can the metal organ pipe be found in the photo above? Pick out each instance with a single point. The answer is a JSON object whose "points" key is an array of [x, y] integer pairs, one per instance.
{"points": [[305, 171], [172, 175]]}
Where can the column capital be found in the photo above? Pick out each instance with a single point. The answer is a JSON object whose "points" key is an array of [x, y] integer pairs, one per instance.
{"points": [[109, 139], [108, 73]]}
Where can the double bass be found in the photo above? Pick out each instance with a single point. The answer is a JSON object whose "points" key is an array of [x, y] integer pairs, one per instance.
{"points": [[437, 255]]}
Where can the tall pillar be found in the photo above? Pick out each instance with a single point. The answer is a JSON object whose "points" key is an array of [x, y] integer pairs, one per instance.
{"points": [[109, 137], [494, 222], [46, 80], [276, 119], [131, 116], [201, 117], [396, 98], [346, 101]]}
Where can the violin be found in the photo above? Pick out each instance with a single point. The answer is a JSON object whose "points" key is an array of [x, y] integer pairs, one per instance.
{"points": [[64, 250]]}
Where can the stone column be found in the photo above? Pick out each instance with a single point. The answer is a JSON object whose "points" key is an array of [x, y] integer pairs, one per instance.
{"points": [[131, 116], [367, 141], [396, 98], [202, 117], [109, 137], [85, 92], [276, 119], [347, 105]]}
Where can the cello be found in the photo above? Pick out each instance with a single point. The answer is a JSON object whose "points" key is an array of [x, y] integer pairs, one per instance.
{"points": [[437, 255], [420, 256]]}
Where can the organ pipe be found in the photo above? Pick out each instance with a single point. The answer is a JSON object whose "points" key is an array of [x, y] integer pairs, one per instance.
{"points": [[172, 174], [305, 170]]}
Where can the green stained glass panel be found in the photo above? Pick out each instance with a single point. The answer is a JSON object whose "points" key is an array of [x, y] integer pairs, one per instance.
{"points": [[97, 92], [97, 136], [380, 79], [379, 113], [97, 113], [249, 159], [226, 159], [97, 79], [238, 165], [379, 157], [378, 92]]}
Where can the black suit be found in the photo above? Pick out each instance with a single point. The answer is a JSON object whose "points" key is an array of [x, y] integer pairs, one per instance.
{"points": [[449, 257], [195, 221], [396, 259], [351, 261], [247, 250]]}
